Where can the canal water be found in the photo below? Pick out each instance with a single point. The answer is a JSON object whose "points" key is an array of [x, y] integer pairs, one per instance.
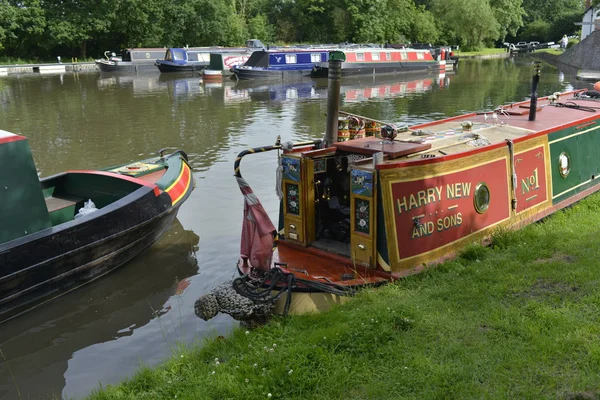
{"points": [[139, 314]]}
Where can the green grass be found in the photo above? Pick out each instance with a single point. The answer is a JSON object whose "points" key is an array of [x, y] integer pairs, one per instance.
{"points": [[482, 52], [519, 319], [556, 52]]}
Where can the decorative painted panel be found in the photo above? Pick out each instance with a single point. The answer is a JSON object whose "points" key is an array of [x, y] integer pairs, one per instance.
{"points": [[362, 216], [362, 183], [438, 210], [291, 168], [292, 199], [531, 178], [320, 165]]}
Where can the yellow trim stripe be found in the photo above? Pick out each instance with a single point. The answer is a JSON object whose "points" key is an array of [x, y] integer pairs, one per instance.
{"points": [[187, 186], [382, 262], [573, 188], [573, 135], [176, 180]]}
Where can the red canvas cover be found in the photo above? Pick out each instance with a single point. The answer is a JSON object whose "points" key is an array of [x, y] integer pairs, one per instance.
{"points": [[258, 232]]}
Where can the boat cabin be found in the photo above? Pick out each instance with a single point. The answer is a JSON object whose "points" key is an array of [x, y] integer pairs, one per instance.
{"points": [[182, 56], [142, 55], [398, 204], [288, 60]]}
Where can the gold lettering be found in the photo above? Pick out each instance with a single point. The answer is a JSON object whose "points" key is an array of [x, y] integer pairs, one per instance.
{"points": [[412, 202], [449, 222], [415, 233], [466, 188], [401, 204], [422, 196], [421, 230], [439, 193], [449, 192], [457, 190], [524, 186], [431, 195]]}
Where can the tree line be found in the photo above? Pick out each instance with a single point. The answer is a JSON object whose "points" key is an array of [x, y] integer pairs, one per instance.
{"points": [[43, 29]]}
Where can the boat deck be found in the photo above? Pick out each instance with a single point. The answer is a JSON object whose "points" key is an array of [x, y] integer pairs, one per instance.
{"points": [[312, 264], [510, 122]]}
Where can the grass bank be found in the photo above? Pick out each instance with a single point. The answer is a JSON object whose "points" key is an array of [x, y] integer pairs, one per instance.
{"points": [[519, 319], [484, 53]]}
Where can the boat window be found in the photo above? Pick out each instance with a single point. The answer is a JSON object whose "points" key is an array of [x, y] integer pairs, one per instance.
{"points": [[360, 56], [375, 56], [315, 57], [420, 56], [174, 55], [403, 55], [388, 56], [481, 199], [290, 59]]}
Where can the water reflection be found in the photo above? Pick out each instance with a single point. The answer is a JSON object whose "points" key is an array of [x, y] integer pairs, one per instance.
{"points": [[353, 89], [145, 289]]}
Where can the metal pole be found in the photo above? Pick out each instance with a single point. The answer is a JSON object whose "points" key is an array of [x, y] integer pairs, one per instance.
{"points": [[336, 58], [534, 85]]}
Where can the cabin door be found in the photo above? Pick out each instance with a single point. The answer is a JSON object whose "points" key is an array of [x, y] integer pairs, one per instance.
{"points": [[294, 199], [363, 192]]}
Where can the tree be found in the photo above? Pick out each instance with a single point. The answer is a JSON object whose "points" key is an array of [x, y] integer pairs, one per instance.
{"points": [[469, 23], [509, 14], [74, 22], [8, 24]]}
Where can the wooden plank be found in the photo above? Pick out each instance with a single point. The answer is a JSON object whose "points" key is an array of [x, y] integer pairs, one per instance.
{"points": [[372, 145], [57, 203]]}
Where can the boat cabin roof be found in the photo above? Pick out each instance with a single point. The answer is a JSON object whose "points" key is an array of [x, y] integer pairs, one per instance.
{"points": [[453, 137]]}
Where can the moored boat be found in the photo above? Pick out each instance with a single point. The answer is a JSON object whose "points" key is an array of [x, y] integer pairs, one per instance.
{"points": [[372, 203], [281, 63], [220, 64], [132, 60], [184, 59], [66, 230], [374, 61]]}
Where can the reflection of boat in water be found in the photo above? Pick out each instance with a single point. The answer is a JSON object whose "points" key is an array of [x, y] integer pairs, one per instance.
{"points": [[40, 344], [352, 88]]}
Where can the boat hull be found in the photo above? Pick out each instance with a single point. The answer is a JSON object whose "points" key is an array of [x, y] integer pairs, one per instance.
{"points": [[124, 66], [164, 67], [380, 68], [53, 261], [256, 73]]}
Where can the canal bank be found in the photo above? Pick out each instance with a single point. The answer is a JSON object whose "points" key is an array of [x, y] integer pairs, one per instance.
{"points": [[46, 68], [519, 306], [137, 315]]}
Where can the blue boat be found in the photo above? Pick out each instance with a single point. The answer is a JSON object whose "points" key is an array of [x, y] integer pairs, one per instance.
{"points": [[190, 59], [281, 63], [185, 59]]}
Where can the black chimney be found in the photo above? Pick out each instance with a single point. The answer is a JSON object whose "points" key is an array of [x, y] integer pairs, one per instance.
{"points": [[534, 85]]}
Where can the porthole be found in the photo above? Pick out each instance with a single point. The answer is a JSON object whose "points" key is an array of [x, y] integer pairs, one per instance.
{"points": [[481, 199], [564, 164]]}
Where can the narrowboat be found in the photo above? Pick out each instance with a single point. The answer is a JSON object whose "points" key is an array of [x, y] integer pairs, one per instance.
{"points": [[184, 59], [374, 61], [64, 231], [132, 60], [220, 64], [371, 202], [280, 63]]}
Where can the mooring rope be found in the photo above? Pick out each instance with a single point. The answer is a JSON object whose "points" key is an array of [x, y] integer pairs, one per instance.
{"points": [[575, 106]]}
